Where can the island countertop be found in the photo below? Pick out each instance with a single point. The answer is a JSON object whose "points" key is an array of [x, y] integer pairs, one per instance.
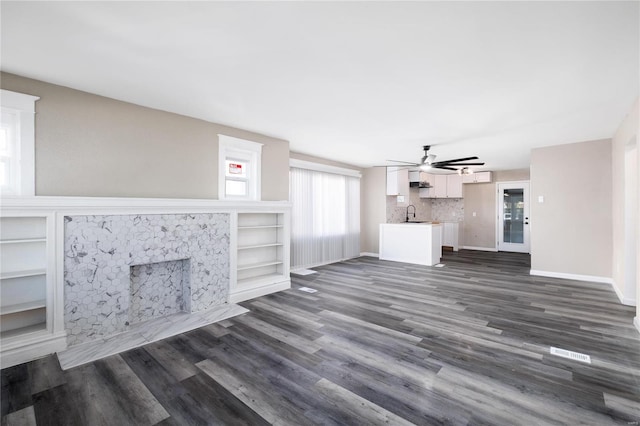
{"points": [[411, 242]]}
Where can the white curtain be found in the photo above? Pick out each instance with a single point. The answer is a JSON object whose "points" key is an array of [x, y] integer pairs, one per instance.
{"points": [[325, 220]]}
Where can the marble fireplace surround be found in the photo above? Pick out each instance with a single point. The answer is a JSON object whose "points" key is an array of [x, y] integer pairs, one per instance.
{"points": [[99, 251]]}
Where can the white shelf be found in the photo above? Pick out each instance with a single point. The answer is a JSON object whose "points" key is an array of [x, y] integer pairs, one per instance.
{"points": [[5, 275], [260, 246], [23, 307], [260, 227], [24, 240], [261, 280], [24, 330], [262, 250], [258, 265]]}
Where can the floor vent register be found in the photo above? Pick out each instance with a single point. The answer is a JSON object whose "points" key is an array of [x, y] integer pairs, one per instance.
{"points": [[576, 356]]}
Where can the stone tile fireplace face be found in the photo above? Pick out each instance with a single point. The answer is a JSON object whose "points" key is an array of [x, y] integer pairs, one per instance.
{"points": [[99, 251]]}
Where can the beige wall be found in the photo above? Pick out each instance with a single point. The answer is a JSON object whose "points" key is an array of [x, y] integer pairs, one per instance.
{"points": [[571, 229], [373, 207], [89, 145], [480, 230], [623, 185]]}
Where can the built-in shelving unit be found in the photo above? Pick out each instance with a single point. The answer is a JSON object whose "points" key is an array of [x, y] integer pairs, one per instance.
{"points": [[32, 247], [262, 255], [23, 280]]}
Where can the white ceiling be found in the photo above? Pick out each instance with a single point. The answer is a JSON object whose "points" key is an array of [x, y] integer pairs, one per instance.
{"points": [[357, 82]]}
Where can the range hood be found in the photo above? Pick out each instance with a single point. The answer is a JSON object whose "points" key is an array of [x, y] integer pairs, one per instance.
{"points": [[415, 182]]}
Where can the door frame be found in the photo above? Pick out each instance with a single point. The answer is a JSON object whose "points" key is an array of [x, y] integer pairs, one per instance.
{"points": [[526, 246]]}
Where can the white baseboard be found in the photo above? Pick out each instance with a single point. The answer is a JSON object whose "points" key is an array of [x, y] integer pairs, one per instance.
{"points": [[369, 254], [624, 300], [480, 248], [32, 348], [636, 322], [251, 293], [563, 275]]}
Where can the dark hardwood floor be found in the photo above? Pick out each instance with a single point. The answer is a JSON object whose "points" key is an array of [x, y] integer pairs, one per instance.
{"points": [[379, 343]]}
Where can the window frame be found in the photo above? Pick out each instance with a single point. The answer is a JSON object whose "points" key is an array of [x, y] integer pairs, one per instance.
{"points": [[241, 150], [23, 107]]}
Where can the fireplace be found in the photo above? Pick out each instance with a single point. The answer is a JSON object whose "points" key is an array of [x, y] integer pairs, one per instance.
{"points": [[121, 270], [159, 289]]}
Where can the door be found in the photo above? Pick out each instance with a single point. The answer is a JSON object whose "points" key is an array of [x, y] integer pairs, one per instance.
{"points": [[513, 216]]}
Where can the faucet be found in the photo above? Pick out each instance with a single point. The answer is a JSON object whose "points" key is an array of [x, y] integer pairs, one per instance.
{"points": [[414, 212]]}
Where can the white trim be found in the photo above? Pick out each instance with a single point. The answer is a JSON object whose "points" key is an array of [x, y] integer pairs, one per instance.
{"points": [[166, 205], [245, 150], [566, 276], [25, 106], [240, 296], [636, 322], [21, 101], [480, 248], [28, 348], [364, 253], [624, 300], [301, 164]]}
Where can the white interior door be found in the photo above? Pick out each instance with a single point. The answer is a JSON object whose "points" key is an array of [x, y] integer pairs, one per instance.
{"points": [[513, 216]]}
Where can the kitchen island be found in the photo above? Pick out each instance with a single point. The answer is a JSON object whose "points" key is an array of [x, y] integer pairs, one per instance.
{"points": [[411, 242]]}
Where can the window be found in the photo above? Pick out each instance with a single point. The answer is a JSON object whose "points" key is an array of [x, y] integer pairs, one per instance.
{"points": [[239, 169], [17, 136], [325, 217]]}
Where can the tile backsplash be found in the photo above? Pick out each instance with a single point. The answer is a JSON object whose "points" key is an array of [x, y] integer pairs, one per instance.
{"points": [[397, 213], [442, 209], [447, 209]]}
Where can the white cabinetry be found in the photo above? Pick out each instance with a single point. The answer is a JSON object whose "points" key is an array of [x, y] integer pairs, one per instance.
{"points": [[262, 262], [451, 235], [478, 177], [442, 186], [397, 181], [454, 186], [27, 268], [23, 249], [429, 192]]}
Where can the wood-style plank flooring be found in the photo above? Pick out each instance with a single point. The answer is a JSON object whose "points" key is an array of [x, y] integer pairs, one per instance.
{"points": [[379, 343]]}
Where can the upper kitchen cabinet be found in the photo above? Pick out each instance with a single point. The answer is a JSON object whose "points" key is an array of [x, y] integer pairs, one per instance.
{"points": [[429, 180], [454, 186], [478, 177], [397, 181], [443, 186]]}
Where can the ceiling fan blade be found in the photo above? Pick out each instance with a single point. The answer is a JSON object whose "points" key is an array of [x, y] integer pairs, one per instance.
{"points": [[399, 167], [455, 160], [464, 164], [443, 167], [405, 162]]}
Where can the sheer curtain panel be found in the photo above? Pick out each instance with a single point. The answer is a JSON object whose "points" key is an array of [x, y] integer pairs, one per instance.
{"points": [[325, 219]]}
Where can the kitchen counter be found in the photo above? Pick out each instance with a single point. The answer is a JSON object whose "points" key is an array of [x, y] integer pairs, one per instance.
{"points": [[411, 242]]}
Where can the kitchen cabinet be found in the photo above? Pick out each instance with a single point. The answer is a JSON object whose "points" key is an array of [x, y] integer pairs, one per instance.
{"points": [[451, 235], [429, 179], [479, 177], [442, 186], [454, 186], [417, 243], [398, 181]]}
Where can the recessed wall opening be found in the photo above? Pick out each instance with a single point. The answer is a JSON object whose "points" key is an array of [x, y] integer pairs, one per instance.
{"points": [[159, 289]]}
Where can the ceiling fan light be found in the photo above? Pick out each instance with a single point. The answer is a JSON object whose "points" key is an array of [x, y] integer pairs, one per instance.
{"points": [[425, 167]]}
